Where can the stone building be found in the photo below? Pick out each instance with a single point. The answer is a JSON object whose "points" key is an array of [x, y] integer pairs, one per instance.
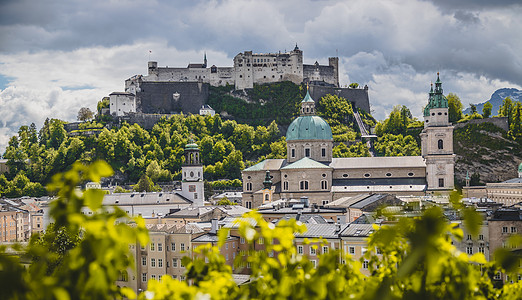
{"points": [[122, 103], [310, 170], [508, 192]]}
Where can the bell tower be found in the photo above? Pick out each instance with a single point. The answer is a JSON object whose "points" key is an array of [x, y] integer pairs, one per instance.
{"points": [[192, 185], [437, 142]]}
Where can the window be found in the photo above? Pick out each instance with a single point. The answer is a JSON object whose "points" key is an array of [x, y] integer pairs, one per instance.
{"points": [[314, 263], [299, 249], [481, 237], [303, 185], [242, 240], [469, 250], [497, 276], [124, 276], [307, 152], [226, 246], [182, 247], [174, 262], [173, 247], [248, 204], [152, 247], [367, 175], [160, 262], [249, 186], [324, 184], [365, 264], [261, 241], [153, 277], [143, 261], [267, 197], [469, 237], [441, 144], [513, 229], [144, 277], [312, 250], [292, 151], [323, 152], [325, 249], [160, 247], [181, 263], [351, 250], [285, 185], [153, 262], [441, 182], [481, 248], [504, 229]]}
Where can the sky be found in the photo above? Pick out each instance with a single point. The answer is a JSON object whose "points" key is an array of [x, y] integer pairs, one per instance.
{"points": [[57, 56]]}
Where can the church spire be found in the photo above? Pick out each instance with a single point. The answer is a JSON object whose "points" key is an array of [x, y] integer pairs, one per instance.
{"points": [[308, 104], [205, 60]]}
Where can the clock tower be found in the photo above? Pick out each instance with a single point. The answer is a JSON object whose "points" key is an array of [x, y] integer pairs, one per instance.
{"points": [[192, 185]]}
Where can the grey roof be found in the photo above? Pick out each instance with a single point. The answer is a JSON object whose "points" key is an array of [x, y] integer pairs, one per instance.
{"points": [[378, 162], [356, 230], [322, 231], [306, 163], [305, 219], [145, 198], [196, 212], [210, 238], [268, 164], [372, 199], [513, 180], [306, 210], [358, 182], [121, 93], [231, 222], [241, 278], [347, 201], [172, 228]]}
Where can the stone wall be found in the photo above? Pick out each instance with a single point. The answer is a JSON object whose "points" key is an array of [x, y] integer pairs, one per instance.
{"points": [[171, 97], [146, 121], [358, 97]]}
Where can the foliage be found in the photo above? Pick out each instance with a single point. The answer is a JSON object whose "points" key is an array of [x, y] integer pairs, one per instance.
{"points": [[119, 189], [219, 184], [467, 117], [487, 109], [454, 108], [225, 201], [396, 145], [85, 114], [358, 149], [275, 101], [397, 122], [354, 85], [145, 184], [338, 113], [65, 267]]}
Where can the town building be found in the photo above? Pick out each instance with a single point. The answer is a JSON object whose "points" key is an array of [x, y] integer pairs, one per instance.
{"points": [[310, 170], [508, 192]]}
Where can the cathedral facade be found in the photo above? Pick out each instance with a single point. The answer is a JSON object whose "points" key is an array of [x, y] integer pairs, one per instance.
{"points": [[310, 170]]}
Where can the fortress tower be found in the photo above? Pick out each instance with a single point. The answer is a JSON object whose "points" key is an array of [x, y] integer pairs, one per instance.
{"points": [[437, 142]]}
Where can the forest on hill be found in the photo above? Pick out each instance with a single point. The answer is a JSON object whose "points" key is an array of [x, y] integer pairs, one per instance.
{"points": [[147, 157]]}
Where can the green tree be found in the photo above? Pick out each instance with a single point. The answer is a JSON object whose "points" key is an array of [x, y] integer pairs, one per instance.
{"points": [[516, 124], [145, 184], [354, 85], [486, 110], [454, 108], [506, 109], [225, 201]]}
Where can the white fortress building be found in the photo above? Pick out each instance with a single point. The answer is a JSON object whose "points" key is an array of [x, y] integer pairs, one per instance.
{"points": [[249, 69]]}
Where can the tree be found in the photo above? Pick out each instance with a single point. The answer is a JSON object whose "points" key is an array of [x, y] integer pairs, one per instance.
{"points": [[354, 85], [145, 184], [473, 108], [225, 201], [454, 107], [85, 114], [506, 109], [486, 110]]}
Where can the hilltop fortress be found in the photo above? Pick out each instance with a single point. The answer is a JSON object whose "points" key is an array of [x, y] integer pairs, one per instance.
{"points": [[168, 90]]}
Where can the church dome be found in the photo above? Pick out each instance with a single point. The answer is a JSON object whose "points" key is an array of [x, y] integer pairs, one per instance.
{"points": [[309, 128]]}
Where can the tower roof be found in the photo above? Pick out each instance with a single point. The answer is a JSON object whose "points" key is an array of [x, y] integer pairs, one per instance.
{"points": [[191, 145], [307, 97], [309, 128], [436, 98]]}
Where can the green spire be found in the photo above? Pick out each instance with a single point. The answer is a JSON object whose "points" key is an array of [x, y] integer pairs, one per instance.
{"points": [[467, 175], [268, 180], [436, 97], [307, 98]]}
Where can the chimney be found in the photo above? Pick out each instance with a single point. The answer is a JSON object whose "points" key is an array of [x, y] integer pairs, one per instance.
{"points": [[214, 226]]}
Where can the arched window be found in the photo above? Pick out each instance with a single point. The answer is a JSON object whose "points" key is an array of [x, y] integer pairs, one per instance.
{"points": [[285, 185], [267, 197], [249, 186], [441, 144], [303, 185], [324, 184]]}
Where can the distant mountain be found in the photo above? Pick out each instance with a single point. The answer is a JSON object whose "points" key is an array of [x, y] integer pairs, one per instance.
{"points": [[497, 98]]}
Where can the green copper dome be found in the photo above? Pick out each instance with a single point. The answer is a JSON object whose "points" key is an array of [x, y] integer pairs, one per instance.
{"points": [[309, 128], [191, 145], [436, 98], [520, 167]]}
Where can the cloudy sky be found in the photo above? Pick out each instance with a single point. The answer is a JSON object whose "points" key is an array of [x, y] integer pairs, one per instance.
{"points": [[59, 55]]}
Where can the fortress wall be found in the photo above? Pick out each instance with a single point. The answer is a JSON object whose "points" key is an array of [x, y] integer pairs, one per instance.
{"points": [[359, 97], [162, 97]]}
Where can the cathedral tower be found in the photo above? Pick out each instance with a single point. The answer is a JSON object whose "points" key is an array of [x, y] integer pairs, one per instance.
{"points": [[437, 141], [192, 185]]}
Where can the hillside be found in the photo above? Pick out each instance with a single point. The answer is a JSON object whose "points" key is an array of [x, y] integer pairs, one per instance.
{"points": [[486, 150], [496, 99]]}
